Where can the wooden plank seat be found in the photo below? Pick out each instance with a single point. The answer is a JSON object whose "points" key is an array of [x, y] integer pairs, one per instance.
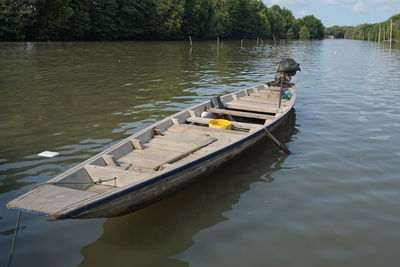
{"points": [[169, 145], [206, 131], [241, 114], [259, 100], [241, 125], [243, 105], [151, 158], [122, 177], [174, 136]]}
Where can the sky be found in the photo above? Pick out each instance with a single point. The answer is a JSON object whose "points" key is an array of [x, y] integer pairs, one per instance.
{"points": [[341, 12]]}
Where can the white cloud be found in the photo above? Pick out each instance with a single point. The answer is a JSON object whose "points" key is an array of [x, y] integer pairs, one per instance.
{"points": [[304, 12], [285, 2], [382, 1], [357, 5], [341, 2]]}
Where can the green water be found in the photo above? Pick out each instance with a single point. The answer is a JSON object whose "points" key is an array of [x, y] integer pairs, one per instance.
{"points": [[334, 201]]}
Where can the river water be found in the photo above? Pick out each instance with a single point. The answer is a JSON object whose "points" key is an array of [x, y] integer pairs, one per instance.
{"points": [[334, 201]]}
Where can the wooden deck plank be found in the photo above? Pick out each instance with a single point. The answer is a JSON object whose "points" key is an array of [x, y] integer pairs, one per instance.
{"points": [[153, 159], [153, 154], [139, 163], [259, 100], [122, 177], [201, 130], [266, 103], [50, 198], [169, 145], [234, 123], [241, 114], [242, 105], [181, 138]]}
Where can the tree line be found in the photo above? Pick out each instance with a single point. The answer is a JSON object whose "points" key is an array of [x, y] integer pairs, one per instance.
{"points": [[371, 32], [67, 20]]}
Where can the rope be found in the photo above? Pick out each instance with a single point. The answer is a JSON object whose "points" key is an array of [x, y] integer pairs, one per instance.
{"points": [[14, 238]]}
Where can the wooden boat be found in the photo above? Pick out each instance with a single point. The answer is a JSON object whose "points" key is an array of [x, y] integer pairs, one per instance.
{"points": [[160, 159]]}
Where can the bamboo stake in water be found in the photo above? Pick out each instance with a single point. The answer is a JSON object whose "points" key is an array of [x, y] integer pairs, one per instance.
{"points": [[14, 238], [276, 141], [190, 39], [218, 41], [379, 34], [391, 32], [241, 42]]}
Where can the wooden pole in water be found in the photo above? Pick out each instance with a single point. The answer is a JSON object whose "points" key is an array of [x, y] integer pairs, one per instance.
{"points": [[276, 141], [14, 238], [218, 41], [379, 33], [190, 40], [241, 42], [257, 41], [384, 33], [273, 35], [391, 32]]}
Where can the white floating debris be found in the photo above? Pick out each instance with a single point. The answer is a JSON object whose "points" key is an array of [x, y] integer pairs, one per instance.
{"points": [[48, 154]]}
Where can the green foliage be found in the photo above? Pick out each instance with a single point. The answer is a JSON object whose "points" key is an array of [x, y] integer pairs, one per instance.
{"points": [[16, 17], [305, 33], [78, 24], [148, 19], [371, 32], [51, 19], [135, 18], [290, 34], [170, 17], [335, 31], [313, 25], [197, 17]]}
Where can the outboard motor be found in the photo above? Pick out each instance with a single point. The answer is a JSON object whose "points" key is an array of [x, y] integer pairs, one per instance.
{"points": [[285, 69]]}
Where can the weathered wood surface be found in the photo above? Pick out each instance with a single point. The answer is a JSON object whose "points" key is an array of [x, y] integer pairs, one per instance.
{"points": [[51, 198], [241, 114], [169, 145], [243, 105], [259, 100], [233, 123], [153, 158], [122, 177], [109, 160], [206, 131]]}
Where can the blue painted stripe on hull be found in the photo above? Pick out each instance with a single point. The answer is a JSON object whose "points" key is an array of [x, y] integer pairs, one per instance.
{"points": [[35, 212], [76, 212]]}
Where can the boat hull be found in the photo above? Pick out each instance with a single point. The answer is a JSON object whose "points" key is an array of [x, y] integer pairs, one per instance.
{"points": [[133, 200]]}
